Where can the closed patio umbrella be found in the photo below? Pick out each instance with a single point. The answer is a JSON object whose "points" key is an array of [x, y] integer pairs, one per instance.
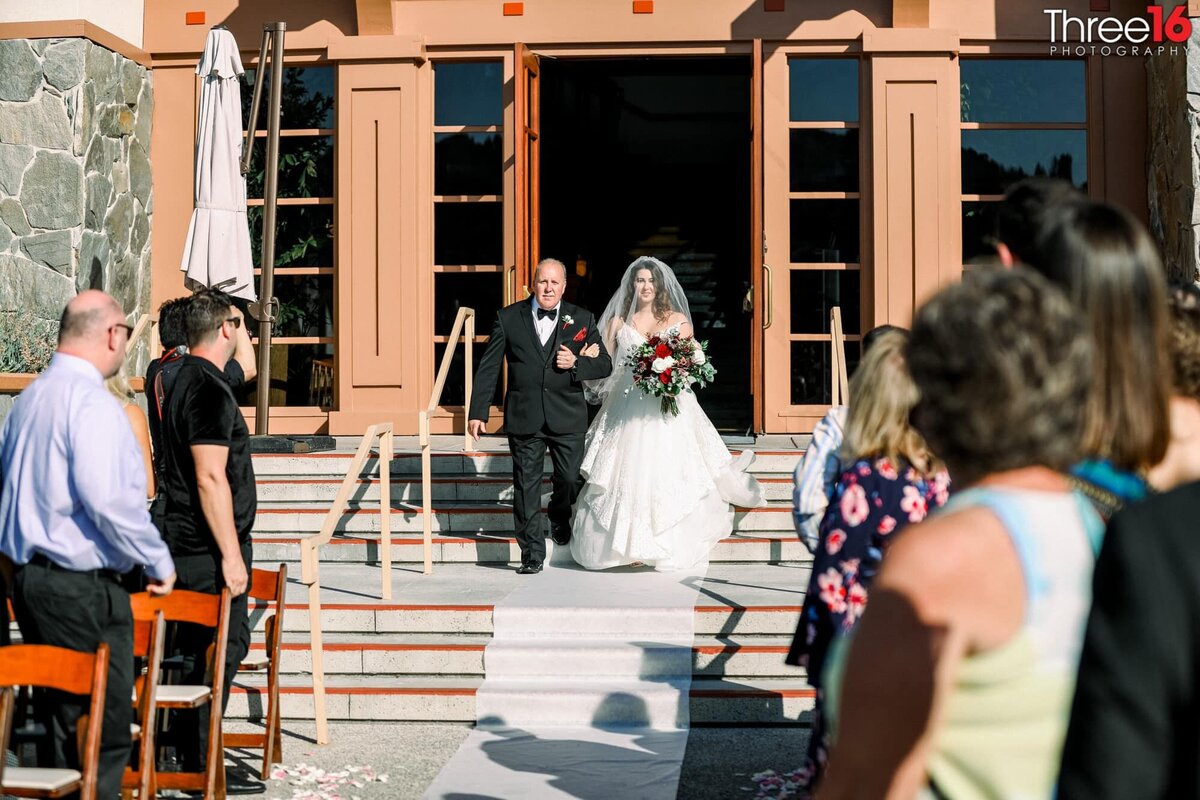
{"points": [[217, 251]]}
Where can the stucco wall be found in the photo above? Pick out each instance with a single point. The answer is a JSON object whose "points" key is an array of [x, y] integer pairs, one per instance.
{"points": [[75, 184], [123, 18]]}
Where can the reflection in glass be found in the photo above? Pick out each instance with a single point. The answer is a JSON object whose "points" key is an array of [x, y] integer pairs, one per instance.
{"points": [[993, 160], [468, 163], [303, 235], [452, 393], [810, 373], [815, 291], [299, 376], [307, 98], [824, 231], [468, 93], [305, 167], [979, 231], [1021, 90], [482, 291], [305, 305], [468, 233], [824, 160], [823, 89]]}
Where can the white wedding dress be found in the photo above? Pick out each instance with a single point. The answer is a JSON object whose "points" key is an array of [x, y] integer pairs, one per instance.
{"points": [[659, 487]]}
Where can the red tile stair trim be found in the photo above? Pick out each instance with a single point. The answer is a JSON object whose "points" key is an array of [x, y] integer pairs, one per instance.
{"points": [[470, 691]]}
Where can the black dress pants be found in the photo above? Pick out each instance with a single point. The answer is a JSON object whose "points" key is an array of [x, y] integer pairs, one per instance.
{"points": [[79, 610], [529, 454], [202, 573]]}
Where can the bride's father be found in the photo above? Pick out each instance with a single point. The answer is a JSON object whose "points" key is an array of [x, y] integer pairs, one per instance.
{"points": [[544, 407]]}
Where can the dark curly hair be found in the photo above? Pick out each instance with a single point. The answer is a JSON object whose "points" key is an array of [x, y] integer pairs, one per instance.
{"points": [[1003, 364], [1184, 304]]}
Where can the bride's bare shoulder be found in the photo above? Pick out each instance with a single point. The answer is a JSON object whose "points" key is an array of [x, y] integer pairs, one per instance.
{"points": [[614, 325]]}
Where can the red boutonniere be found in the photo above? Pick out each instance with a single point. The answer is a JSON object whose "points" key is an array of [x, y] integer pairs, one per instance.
{"points": [[579, 337]]}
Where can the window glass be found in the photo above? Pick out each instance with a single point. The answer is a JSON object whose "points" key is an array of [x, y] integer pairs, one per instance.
{"points": [[824, 231], [824, 160], [305, 102], [305, 167], [468, 164], [452, 392], [979, 231], [993, 160], [815, 291], [305, 305], [1018, 90], [823, 89], [468, 93], [482, 291], [301, 375], [468, 233], [810, 373], [303, 235]]}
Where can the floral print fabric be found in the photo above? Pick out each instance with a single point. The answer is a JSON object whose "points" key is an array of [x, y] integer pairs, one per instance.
{"points": [[874, 499]]}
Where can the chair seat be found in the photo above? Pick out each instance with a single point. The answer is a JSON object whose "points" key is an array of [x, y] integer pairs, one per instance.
{"points": [[181, 696], [36, 779], [254, 663]]}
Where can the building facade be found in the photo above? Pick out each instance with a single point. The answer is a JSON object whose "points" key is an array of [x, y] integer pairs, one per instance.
{"points": [[785, 157]]}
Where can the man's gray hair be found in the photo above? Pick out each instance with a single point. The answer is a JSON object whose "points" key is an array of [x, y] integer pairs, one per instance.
{"points": [[553, 261]]}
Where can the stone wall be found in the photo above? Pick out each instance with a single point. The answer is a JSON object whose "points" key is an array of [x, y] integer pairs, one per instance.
{"points": [[75, 189], [1173, 157]]}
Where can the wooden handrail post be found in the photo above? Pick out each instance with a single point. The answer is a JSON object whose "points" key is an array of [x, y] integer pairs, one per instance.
{"points": [[840, 384], [310, 563], [469, 343], [426, 491], [385, 512]]}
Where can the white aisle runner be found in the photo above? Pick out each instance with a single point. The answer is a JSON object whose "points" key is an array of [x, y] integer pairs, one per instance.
{"points": [[586, 689]]}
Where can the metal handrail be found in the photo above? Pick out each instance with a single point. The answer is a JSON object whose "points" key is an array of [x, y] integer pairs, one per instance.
{"points": [[464, 322], [310, 563]]}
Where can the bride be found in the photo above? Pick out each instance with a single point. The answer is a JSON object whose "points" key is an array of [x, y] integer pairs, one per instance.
{"points": [[659, 487]]}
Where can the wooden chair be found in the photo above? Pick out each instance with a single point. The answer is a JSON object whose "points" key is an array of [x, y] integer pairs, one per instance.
{"points": [[148, 638], [48, 667], [270, 587], [210, 611]]}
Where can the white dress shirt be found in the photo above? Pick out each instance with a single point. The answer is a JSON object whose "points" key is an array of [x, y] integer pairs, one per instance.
{"points": [[544, 326], [72, 478]]}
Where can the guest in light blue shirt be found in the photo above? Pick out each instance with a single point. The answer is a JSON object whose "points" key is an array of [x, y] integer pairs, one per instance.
{"points": [[73, 518]]}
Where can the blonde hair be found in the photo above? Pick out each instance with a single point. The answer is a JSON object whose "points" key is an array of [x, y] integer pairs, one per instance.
{"points": [[118, 386], [882, 395]]}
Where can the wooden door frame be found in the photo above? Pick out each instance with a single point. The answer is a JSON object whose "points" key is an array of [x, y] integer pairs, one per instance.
{"points": [[526, 168]]}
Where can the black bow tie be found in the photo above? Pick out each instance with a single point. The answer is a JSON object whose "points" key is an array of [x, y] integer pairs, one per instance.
{"points": [[544, 313]]}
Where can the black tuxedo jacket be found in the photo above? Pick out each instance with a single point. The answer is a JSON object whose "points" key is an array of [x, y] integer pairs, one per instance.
{"points": [[539, 393], [1135, 722]]}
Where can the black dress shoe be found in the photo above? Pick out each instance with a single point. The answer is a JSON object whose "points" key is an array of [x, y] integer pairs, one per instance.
{"points": [[530, 568], [560, 533]]}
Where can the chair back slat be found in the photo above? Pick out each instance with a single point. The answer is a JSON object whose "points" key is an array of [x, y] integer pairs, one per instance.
{"points": [[180, 605], [49, 667], [265, 584]]}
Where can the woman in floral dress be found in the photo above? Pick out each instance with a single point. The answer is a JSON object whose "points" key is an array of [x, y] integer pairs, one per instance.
{"points": [[892, 481]]}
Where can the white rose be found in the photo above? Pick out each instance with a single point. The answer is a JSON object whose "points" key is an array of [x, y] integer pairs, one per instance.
{"points": [[663, 364], [698, 356]]}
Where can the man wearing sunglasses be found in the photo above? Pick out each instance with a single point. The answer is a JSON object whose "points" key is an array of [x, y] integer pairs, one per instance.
{"points": [[210, 494]]}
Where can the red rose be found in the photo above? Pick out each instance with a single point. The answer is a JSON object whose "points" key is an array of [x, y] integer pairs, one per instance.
{"points": [[579, 337], [662, 351], [665, 376]]}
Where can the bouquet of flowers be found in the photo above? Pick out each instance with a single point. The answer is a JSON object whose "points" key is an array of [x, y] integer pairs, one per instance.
{"points": [[667, 364]]}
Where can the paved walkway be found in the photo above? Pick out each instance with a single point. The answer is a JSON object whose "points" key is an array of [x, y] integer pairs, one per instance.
{"points": [[717, 766]]}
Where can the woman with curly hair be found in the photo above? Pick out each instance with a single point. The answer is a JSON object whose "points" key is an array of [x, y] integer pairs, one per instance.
{"points": [[892, 481]]}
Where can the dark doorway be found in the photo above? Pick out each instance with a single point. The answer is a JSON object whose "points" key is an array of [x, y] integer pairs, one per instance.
{"points": [[651, 156]]}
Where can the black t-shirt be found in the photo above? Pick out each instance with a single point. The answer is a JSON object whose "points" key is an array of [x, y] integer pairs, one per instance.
{"points": [[203, 410], [156, 401]]}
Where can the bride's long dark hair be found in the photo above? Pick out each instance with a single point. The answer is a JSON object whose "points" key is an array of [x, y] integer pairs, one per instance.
{"points": [[661, 305]]}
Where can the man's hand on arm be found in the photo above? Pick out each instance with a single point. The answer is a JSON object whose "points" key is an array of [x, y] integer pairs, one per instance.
{"points": [[216, 501], [564, 359]]}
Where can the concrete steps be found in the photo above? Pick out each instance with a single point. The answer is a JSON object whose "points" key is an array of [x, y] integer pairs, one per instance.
{"points": [[421, 655]]}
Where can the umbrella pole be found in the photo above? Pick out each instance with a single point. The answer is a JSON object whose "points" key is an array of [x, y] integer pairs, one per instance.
{"points": [[276, 31]]}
